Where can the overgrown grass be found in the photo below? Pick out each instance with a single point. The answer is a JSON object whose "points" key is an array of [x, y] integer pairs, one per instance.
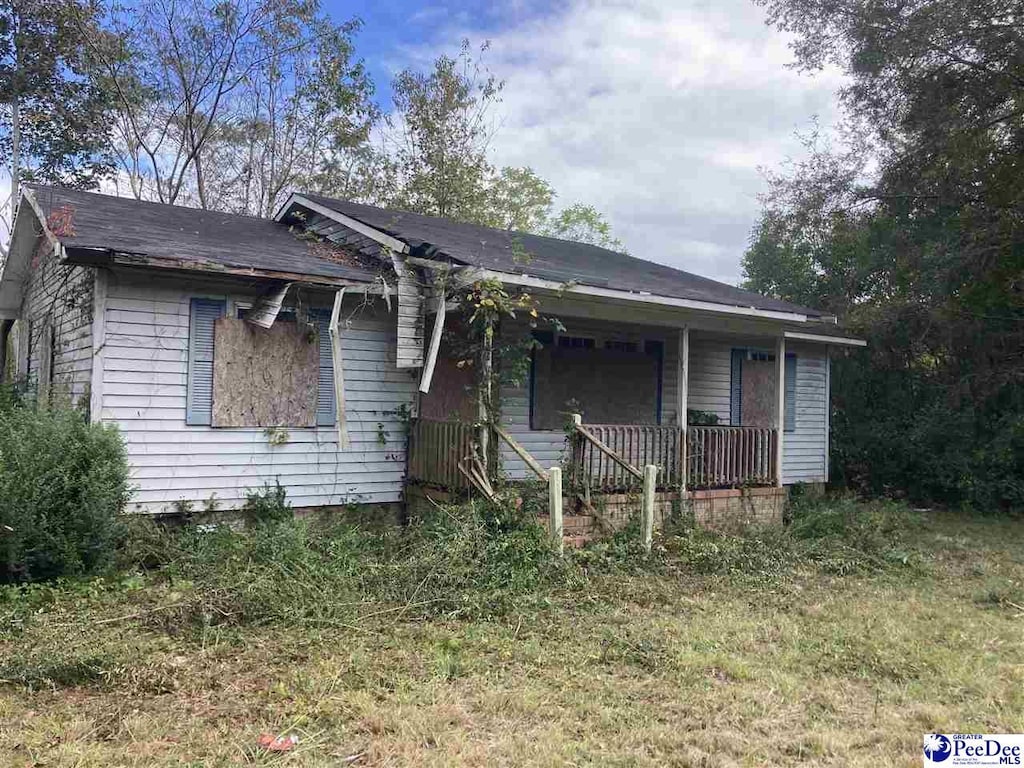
{"points": [[465, 639]]}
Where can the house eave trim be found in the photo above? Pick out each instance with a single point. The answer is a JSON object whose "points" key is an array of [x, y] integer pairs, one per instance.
{"points": [[99, 257], [663, 301], [819, 338]]}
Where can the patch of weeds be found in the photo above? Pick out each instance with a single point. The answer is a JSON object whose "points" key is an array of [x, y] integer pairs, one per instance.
{"points": [[838, 536], [268, 504], [647, 654], [448, 659], [622, 552], [1001, 593]]}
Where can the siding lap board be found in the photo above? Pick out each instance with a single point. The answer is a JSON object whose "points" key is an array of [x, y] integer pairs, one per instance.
{"points": [[65, 293], [145, 384]]}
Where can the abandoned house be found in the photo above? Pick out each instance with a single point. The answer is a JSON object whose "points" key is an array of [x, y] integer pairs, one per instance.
{"points": [[322, 350]]}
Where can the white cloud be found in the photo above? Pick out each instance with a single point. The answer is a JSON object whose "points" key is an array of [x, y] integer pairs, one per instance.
{"points": [[658, 113]]}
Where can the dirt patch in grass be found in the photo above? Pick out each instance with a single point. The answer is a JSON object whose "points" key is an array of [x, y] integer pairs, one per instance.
{"points": [[646, 666]]}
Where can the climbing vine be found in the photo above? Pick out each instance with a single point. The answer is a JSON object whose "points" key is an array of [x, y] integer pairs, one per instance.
{"points": [[498, 357]]}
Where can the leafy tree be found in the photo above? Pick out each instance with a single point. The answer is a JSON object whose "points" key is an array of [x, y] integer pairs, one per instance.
{"points": [[584, 224], [229, 104], [437, 160], [55, 126], [518, 199], [441, 133], [915, 236], [301, 108]]}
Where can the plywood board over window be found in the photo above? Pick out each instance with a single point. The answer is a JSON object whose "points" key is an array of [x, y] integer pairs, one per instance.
{"points": [[264, 377], [606, 386]]}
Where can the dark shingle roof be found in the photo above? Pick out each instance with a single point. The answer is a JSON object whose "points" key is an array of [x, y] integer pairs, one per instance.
{"points": [[549, 258], [191, 235]]}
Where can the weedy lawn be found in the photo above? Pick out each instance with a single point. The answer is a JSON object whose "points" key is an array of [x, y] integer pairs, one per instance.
{"points": [[716, 651]]}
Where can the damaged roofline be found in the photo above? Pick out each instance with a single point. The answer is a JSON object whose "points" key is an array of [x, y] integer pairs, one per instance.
{"points": [[383, 238], [103, 256], [400, 247]]}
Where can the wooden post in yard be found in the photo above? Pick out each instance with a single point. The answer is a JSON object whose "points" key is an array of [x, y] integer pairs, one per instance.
{"points": [[780, 405], [647, 512], [683, 395], [555, 504]]}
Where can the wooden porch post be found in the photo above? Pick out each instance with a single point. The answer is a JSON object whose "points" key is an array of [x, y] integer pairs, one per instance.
{"points": [[682, 399], [555, 505], [780, 405], [647, 510]]}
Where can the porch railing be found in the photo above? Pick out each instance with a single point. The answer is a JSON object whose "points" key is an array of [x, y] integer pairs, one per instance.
{"points": [[637, 445], [729, 456], [435, 450], [716, 457]]}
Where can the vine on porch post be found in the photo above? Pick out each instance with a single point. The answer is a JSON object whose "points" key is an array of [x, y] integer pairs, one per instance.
{"points": [[486, 303]]}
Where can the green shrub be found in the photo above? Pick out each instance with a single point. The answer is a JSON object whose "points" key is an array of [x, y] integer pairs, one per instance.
{"points": [[268, 504], [63, 484], [478, 559], [838, 535]]}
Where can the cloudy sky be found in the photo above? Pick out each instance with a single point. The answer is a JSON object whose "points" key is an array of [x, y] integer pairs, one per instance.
{"points": [[658, 112]]}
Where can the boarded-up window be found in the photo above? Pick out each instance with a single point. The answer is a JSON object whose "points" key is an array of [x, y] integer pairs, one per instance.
{"points": [[265, 377], [753, 388], [608, 386], [452, 392]]}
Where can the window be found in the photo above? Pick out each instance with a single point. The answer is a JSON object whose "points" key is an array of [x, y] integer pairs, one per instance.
{"points": [[576, 342], [752, 389], [609, 381], [613, 345], [203, 316]]}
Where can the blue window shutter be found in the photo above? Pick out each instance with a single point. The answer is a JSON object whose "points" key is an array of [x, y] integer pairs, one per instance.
{"points": [[736, 387], [325, 405], [199, 400], [789, 423]]}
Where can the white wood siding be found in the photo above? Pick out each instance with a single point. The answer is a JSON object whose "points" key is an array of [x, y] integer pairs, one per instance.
{"points": [[710, 362], [144, 392], [63, 296], [805, 449]]}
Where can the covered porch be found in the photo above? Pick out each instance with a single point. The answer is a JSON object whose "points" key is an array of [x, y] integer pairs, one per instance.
{"points": [[603, 399]]}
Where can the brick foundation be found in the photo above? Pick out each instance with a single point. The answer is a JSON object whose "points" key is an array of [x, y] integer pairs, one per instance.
{"points": [[727, 509], [730, 509], [724, 509]]}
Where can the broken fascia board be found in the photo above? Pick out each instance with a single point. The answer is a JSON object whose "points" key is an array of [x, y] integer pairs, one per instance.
{"points": [[183, 265], [27, 195], [435, 342], [341, 419], [386, 240]]}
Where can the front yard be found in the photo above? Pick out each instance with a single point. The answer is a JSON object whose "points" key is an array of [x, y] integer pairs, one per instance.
{"points": [[629, 665]]}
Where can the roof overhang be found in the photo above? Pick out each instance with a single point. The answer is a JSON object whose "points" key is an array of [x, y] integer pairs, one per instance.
{"points": [[821, 338], [107, 257], [29, 225], [640, 298]]}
